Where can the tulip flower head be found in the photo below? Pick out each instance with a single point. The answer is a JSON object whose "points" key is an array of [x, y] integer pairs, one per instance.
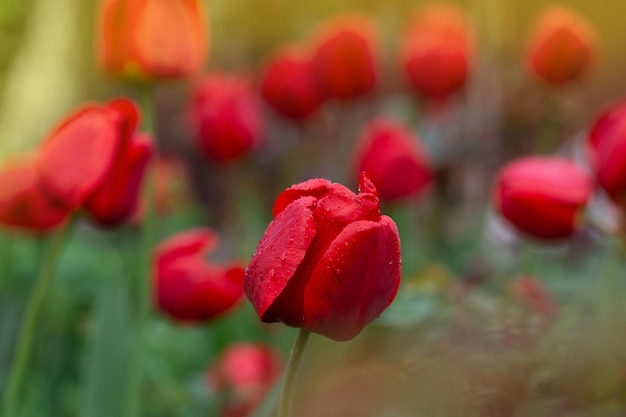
{"points": [[561, 46], [289, 85], [394, 159], [345, 57], [437, 51], [542, 197], [329, 261], [188, 287], [607, 145], [152, 38], [226, 115]]}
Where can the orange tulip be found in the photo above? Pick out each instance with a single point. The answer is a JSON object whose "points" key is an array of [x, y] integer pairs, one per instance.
{"points": [[152, 38]]}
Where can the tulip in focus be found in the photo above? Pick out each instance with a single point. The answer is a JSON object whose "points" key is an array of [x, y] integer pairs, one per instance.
{"points": [[607, 145], [394, 159], [561, 46], [23, 204], [437, 51], [345, 57], [226, 116], [329, 262], [245, 372], [289, 85], [152, 38], [187, 286], [542, 197]]}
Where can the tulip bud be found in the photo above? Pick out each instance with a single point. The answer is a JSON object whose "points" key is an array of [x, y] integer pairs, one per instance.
{"points": [[394, 159], [607, 145], [226, 116], [152, 38], [543, 197], [560, 46], [345, 58], [290, 86], [328, 262], [188, 287]]}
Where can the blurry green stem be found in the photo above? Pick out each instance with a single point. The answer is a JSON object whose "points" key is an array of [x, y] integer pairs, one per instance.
{"points": [[29, 323], [286, 399], [144, 270]]}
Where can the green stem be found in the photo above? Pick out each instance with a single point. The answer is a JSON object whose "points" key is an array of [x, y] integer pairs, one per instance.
{"points": [[286, 399], [144, 271], [29, 323]]}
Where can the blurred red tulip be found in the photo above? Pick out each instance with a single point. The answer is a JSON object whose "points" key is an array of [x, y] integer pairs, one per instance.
{"points": [[345, 57], [188, 287], [543, 197], [226, 115], [561, 46], [394, 159], [289, 85], [152, 38], [22, 202], [328, 262], [607, 144], [246, 372], [437, 51]]}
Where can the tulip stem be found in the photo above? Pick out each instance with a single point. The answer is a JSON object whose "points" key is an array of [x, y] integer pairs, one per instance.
{"points": [[29, 323], [286, 398]]}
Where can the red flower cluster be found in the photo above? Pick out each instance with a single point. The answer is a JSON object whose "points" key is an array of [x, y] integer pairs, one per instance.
{"points": [[187, 286], [226, 116], [328, 262]]}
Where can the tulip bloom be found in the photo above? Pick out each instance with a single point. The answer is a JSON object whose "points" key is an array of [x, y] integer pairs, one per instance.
{"points": [[437, 52], [607, 145], [188, 287], [561, 46], [394, 159], [23, 204], [345, 57], [289, 85], [226, 115], [329, 261], [543, 197], [152, 38], [246, 372]]}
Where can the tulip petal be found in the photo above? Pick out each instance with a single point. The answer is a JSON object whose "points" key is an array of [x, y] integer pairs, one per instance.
{"points": [[189, 243], [356, 279], [316, 187], [280, 252]]}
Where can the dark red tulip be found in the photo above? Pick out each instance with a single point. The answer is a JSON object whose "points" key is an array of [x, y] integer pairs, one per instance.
{"points": [[289, 85], [345, 58], [561, 46], [226, 116], [188, 287], [329, 261], [22, 202], [437, 52], [543, 197], [607, 144], [152, 38], [394, 159], [245, 372]]}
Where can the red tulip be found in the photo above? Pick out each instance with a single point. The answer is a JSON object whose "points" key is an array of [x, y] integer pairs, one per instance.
{"points": [[561, 46], [226, 115], [345, 57], [245, 371], [152, 38], [328, 262], [438, 51], [22, 202], [607, 141], [290, 86], [394, 159], [188, 287], [542, 196]]}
